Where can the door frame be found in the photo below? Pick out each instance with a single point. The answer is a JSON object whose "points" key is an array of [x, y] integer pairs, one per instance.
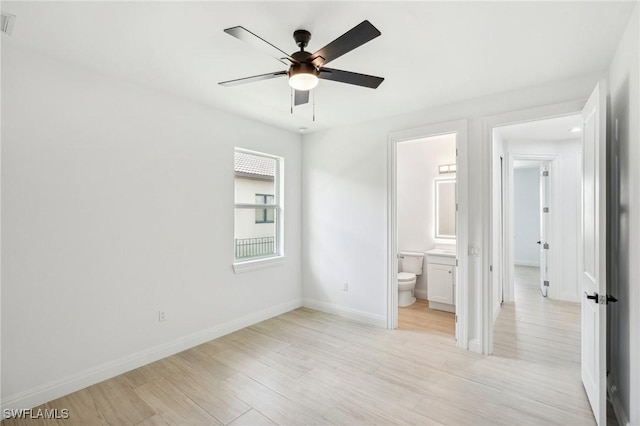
{"points": [[459, 127], [508, 209], [487, 124]]}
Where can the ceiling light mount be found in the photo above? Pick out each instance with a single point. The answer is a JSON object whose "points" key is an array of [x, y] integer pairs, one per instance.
{"points": [[302, 38]]}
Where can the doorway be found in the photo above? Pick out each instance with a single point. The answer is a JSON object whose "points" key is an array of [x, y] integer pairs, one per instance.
{"points": [[539, 198], [426, 199], [532, 220], [437, 188]]}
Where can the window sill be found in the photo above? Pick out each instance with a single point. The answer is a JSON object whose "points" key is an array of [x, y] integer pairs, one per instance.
{"points": [[255, 264]]}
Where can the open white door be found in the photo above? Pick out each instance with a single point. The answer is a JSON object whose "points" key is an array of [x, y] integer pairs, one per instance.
{"points": [[592, 255], [544, 228]]}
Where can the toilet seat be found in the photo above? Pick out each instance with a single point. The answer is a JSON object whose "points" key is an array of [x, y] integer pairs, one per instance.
{"points": [[406, 276]]}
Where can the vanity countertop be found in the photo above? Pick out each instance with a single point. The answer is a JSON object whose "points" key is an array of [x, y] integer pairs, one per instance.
{"points": [[442, 252]]}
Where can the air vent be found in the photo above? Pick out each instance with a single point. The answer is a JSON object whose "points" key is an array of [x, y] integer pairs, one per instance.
{"points": [[6, 26]]}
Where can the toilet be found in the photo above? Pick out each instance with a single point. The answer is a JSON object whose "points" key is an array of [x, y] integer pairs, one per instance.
{"points": [[409, 267]]}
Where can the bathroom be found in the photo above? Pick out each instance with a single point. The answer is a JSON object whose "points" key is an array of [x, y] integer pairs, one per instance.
{"points": [[426, 230]]}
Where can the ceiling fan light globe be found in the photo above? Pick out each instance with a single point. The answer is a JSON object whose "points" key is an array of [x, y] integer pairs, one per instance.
{"points": [[303, 81]]}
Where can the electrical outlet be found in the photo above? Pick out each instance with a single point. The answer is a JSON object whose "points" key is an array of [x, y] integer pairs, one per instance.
{"points": [[345, 287], [162, 316]]}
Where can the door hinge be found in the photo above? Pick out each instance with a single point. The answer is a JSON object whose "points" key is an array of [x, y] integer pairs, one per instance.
{"points": [[456, 262], [545, 210], [490, 268], [545, 173], [456, 318], [456, 206], [545, 246], [546, 283]]}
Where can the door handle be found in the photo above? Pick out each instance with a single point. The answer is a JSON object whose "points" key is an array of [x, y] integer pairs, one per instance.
{"points": [[593, 297], [539, 242], [605, 300]]}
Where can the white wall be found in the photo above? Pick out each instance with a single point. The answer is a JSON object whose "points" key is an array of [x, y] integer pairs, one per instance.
{"points": [[117, 203], [565, 194], [624, 334], [526, 209], [418, 163], [345, 200]]}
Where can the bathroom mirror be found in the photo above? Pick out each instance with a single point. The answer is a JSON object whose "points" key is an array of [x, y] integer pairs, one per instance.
{"points": [[445, 201]]}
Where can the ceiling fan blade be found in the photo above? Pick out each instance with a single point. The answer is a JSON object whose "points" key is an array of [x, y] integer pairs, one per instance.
{"points": [[258, 42], [253, 78], [350, 77], [301, 97], [355, 37]]}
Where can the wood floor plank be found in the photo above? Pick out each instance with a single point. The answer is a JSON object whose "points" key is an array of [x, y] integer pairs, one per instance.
{"points": [[173, 406], [252, 418], [310, 367], [419, 317]]}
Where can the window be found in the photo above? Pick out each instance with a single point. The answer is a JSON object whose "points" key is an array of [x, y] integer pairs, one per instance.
{"points": [[258, 206], [264, 215]]}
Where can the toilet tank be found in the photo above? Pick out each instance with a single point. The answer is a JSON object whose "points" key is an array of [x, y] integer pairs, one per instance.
{"points": [[410, 262]]}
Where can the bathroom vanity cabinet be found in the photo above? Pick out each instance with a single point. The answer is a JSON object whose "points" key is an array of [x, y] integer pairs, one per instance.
{"points": [[441, 280]]}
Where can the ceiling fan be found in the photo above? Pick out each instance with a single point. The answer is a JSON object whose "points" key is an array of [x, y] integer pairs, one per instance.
{"points": [[306, 68]]}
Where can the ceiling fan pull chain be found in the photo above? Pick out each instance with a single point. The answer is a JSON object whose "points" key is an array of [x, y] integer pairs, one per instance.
{"points": [[292, 101], [314, 105]]}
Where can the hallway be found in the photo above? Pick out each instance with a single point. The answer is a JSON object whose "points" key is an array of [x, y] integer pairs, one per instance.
{"points": [[541, 336], [538, 329]]}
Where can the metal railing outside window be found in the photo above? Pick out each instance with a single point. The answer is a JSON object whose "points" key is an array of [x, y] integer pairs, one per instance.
{"points": [[255, 247]]}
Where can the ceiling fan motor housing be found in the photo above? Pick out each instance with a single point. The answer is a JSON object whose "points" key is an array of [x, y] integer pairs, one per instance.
{"points": [[302, 67]]}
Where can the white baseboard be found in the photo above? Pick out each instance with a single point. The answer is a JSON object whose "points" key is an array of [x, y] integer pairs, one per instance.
{"points": [[442, 307], [526, 263], [420, 294], [614, 397], [474, 346], [66, 385], [354, 314]]}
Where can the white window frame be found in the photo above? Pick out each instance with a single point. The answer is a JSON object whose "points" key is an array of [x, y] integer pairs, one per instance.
{"points": [[242, 265]]}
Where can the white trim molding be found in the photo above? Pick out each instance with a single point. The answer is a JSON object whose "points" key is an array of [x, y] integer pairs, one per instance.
{"points": [[66, 385], [618, 410], [343, 311], [256, 264], [460, 128]]}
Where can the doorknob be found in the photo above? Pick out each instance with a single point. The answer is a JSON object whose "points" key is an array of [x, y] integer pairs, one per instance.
{"points": [[539, 242], [593, 297]]}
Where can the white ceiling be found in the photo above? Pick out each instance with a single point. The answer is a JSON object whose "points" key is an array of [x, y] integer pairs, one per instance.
{"points": [[430, 53], [551, 129]]}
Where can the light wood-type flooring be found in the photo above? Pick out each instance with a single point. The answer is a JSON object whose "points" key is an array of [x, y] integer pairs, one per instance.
{"points": [[418, 317], [308, 367]]}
